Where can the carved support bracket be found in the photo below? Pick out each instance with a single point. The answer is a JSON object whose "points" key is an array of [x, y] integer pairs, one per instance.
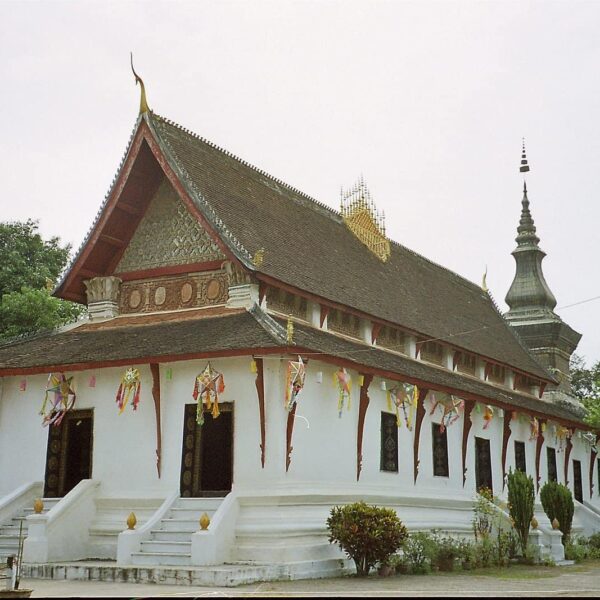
{"points": [[455, 358], [288, 433], [542, 388], [375, 332], [418, 421], [260, 391], [568, 449], [469, 406], [593, 455], [538, 453], [262, 290], [362, 413], [288, 437], [505, 438], [155, 370]]}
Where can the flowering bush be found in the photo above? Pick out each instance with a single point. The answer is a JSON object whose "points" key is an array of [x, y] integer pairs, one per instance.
{"points": [[367, 534]]}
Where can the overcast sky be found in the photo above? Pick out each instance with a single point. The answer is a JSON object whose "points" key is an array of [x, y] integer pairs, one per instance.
{"points": [[429, 100]]}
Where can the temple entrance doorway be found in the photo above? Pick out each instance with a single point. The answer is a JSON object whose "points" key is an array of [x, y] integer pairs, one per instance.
{"points": [[207, 456], [69, 453]]}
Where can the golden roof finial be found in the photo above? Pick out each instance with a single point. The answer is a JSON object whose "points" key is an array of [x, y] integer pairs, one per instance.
{"points": [[484, 286], [290, 330], [143, 103]]}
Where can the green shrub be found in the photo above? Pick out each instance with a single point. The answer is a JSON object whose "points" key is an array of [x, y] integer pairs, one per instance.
{"points": [[446, 550], [576, 552], [558, 504], [419, 551], [521, 498], [594, 541], [367, 534]]}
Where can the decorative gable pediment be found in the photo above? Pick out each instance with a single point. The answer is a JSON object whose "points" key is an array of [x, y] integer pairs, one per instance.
{"points": [[167, 235]]}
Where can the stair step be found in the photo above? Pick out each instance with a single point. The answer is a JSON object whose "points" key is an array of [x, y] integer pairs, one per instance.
{"points": [[161, 558], [161, 535], [159, 546], [174, 524]]}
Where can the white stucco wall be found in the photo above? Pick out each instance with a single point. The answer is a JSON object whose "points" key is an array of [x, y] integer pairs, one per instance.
{"points": [[324, 445]]}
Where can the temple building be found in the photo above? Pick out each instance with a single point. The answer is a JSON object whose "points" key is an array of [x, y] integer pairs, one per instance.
{"points": [[252, 357]]}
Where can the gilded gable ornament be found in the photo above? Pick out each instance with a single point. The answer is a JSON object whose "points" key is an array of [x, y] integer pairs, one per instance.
{"points": [[366, 223]]}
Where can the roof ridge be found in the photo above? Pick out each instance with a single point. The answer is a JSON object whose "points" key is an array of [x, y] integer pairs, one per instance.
{"points": [[333, 212]]}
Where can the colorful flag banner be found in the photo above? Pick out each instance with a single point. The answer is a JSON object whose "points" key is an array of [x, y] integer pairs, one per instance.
{"points": [[343, 381], [131, 384], [53, 412], [451, 410], [294, 382], [207, 387]]}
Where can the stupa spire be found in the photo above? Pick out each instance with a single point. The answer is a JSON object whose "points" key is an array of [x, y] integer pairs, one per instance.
{"points": [[529, 295]]}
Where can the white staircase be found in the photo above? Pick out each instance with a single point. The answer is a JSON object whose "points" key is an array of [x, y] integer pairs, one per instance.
{"points": [[171, 542], [9, 531], [111, 519], [291, 536]]}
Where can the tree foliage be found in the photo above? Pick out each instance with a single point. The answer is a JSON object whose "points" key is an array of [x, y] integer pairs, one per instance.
{"points": [[521, 498], [367, 534], [558, 504], [585, 384], [29, 267]]}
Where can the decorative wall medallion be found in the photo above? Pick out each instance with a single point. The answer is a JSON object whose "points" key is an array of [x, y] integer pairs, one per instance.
{"points": [[213, 289], [168, 234], [160, 295], [135, 298], [174, 292], [187, 290]]}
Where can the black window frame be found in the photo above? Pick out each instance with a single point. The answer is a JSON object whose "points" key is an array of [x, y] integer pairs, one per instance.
{"points": [[552, 473], [521, 453], [388, 427], [439, 443]]}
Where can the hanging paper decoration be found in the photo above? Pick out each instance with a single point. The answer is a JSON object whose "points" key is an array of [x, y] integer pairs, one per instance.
{"points": [[169, 374], [92, 381], [343, 380], [534, 427], [130, 384], [404, 398], [452, 407], [562, 435], [253, 367], [63, 402], [296, 373], [488, 415], [207, 387], [23, 385]]}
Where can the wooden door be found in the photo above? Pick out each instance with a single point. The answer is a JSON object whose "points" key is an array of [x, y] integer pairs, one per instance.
{"points": [[483, 464], [207, 455], [69, 453]]}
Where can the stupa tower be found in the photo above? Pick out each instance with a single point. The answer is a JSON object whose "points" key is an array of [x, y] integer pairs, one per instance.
{"points": [[532, 304]]}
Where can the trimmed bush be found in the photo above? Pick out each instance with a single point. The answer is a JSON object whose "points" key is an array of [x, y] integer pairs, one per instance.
{"points": [[521, 498], [367, 534], [558, 504]]}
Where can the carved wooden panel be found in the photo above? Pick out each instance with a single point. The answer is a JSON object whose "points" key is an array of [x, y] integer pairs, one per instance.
{"points": [[168, 234], [174, 292], [343, 323], [391, 338], [287, 303], [389, 443]]}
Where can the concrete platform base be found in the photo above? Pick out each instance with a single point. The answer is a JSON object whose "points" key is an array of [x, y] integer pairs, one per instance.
{"points": [[229, 575]]}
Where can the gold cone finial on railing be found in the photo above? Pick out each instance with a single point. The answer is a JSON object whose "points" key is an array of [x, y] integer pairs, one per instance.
{"points": [[143, 103]]}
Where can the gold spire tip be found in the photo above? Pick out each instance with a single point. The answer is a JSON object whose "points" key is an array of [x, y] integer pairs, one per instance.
{"points": [[143, 102]]}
